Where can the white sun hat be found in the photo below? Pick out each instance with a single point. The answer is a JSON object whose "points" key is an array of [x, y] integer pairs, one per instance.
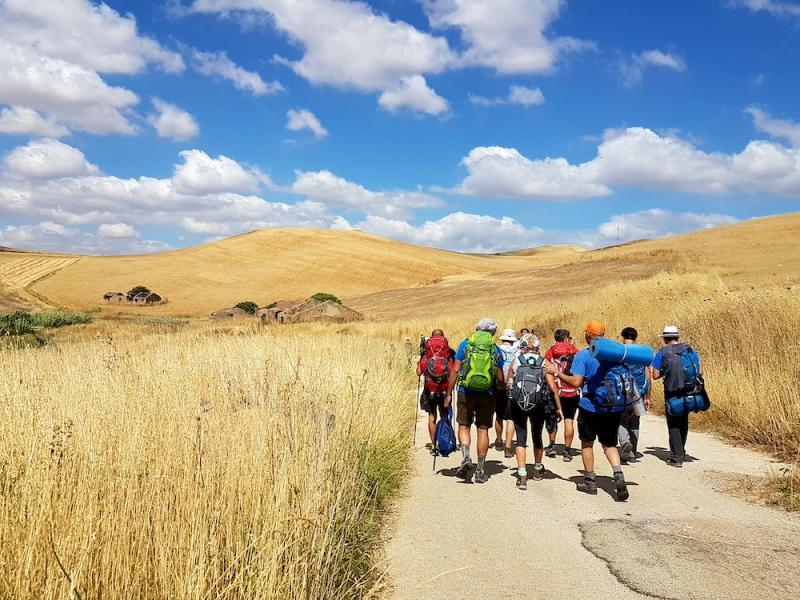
{"points": [[509, 335], [670, 331]]}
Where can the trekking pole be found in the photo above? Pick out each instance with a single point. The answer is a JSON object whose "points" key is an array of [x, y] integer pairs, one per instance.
{"points": [[416, 411]]}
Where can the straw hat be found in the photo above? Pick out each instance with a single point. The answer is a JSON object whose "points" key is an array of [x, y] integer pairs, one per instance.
{"points": [[670, 331]]}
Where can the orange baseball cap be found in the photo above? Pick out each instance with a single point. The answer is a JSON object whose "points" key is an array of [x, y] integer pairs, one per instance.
{"points": [[595, 328]]}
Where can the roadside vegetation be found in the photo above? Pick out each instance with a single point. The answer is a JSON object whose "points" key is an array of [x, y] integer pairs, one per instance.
{"points": [[23, 322], [209, 464]]}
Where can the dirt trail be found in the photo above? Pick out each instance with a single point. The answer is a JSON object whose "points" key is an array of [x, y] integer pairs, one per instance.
{"points": [[677, 537]]}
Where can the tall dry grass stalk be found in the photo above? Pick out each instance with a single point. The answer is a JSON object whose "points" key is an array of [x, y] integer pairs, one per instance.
{"points": [[198, 465]]}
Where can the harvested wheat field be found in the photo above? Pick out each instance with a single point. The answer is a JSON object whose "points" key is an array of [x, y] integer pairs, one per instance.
{"points": [[166, 458]]}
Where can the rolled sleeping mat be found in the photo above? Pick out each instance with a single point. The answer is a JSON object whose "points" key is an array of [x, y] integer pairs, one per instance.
{"points": [[610, 351]]}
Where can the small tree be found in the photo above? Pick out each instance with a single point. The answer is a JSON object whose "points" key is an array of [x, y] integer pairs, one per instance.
{"points": [[324, 297], [138, 289], [248, 306]]}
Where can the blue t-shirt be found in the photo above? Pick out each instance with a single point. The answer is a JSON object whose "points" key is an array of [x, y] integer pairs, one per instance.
{"points": [[587, 366], [659, 357], [461, 354]]}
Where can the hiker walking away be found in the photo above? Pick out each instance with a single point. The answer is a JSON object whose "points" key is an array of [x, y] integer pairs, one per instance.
{"points": [[593, 422], [629, 424], [561, 354], [509, 348], [478, 370], [679, 365], [435, 365], [531, 393]]}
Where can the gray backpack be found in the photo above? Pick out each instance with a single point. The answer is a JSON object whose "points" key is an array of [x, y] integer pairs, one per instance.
{"points": [[529, 389]]}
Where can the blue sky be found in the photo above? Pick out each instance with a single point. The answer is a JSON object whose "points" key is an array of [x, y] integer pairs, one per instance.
{"points": [[462, 124]]}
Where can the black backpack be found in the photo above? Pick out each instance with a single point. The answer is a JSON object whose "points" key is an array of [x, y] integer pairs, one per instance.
{"points": [[529, 389]]}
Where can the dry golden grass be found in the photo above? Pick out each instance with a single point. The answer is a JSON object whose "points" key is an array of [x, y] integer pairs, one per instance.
{"points": [[269, 265], [198, 464]]}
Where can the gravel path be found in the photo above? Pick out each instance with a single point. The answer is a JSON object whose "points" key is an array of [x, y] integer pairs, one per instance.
{"points": [[677, 537]]}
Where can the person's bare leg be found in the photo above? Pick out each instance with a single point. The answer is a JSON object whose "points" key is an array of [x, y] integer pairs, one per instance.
{"points": [[587, 454], [432, 426], [612, 454], [569, 432], [520, 454], [483, 442], [538, 453], [464, 437], [509, 433], [498, 431]]}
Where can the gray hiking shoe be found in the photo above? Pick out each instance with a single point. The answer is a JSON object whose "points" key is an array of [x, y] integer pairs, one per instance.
{"points": [[464, 470], [567, 454], [538, 472], [481, 477], [550, 452], [626, 452], [522, 482], [588, 486], [621, 487], [509, 453]]}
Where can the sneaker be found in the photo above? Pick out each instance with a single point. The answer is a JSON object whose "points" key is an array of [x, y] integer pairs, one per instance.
{"points": [[551, 451], [673, 462], [567, 454], [522, 482], [481, 477], [498, 444], [509, 453], [538, 472], [464, 470], [588, 486], [621, 487]]}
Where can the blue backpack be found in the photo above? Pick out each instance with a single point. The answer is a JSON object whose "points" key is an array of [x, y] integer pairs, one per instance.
{"points": [[445, 437], [616, 391], [681, 370], [639, 373]]}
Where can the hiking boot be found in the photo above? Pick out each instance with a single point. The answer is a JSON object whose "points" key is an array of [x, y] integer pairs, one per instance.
{"points": [[509, 453], [481, 476], [567, 454], [551, 451], [621, 487], [674, 462], [464, 471], [588, 486], [626, 452], [538, 472], [522, 482]]}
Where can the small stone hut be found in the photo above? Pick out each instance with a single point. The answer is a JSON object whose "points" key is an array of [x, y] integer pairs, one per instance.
{"points": [[115, 297], [146, 298], [230, 313], [311, 310]]}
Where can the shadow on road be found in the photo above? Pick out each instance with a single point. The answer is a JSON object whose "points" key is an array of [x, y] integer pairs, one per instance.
{"points": [[604, 482], [663, 455]]}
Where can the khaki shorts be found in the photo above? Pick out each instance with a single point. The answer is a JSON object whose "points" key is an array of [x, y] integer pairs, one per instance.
{"points": [[475, 408]]}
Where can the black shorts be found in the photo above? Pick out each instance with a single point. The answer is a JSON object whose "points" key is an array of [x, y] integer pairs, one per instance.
{"points": [[569, 406], [537, 421], [599, 426], [432, 403]]}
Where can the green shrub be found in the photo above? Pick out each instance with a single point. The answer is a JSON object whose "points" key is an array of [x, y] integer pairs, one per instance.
{"points": [[248, 306], [137, 289], [324, 296], [21, 322]]}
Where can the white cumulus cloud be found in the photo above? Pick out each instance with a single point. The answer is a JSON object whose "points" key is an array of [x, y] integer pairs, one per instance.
{"points": [[117, 231], [637, 157], [517, 94], [507, 35], [631, 70], [172, 122], [217, 64], [778, 8], [18, 120], [47, 159], [414, 94], [778, 128], [300, 119], [201, 174]]}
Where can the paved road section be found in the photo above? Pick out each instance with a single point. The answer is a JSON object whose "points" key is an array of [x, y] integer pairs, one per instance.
{"points": [[677, 537]]}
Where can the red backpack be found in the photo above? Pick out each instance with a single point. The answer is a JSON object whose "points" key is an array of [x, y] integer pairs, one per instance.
{"points": [[563, 353], [436, 365]]}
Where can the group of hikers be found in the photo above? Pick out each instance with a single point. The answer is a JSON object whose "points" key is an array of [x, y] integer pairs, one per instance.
{"points": [[512, 384]]}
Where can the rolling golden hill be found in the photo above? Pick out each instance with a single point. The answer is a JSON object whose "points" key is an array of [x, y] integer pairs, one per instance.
{"points": [[387, 279]]}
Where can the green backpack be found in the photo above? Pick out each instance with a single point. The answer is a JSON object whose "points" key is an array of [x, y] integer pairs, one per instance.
{"points": [[480, 362]]}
